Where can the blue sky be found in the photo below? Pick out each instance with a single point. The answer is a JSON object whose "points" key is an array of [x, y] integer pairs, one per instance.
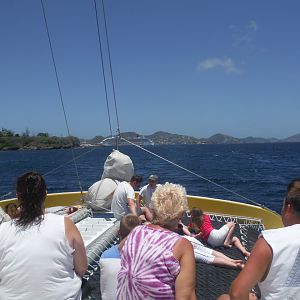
{"points": [[188, 67]]}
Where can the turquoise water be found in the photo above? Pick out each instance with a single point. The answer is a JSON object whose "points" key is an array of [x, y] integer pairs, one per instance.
{"points": [[257, 171]]}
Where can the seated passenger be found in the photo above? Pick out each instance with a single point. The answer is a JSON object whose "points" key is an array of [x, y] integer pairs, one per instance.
{"points": [[147, 191], [275, 257], [123, 201], [201, 226], [110, 261], [42, 256], [157, 263], [117, 167]]}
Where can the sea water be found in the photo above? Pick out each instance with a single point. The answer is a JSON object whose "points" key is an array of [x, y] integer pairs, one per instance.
{"points": [[259, 172]]}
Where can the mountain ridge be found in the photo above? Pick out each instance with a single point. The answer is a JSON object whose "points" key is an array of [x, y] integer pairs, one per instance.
{"points": [[167, 138]]}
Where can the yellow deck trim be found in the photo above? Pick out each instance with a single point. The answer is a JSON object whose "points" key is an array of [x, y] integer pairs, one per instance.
{"points": [[269, 218]]}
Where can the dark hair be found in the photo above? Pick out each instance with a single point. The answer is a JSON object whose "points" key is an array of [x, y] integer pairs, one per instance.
{"points": [[293, 195], [196, 219], [31, 193], [128, 222], [136, 178]]}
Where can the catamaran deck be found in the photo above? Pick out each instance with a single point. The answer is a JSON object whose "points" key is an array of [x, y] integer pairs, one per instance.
{"points": [[211, 281], [100, 230]]}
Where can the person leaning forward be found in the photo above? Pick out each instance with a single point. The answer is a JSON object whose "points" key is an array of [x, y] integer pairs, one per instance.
{"points": [[123, 201]]}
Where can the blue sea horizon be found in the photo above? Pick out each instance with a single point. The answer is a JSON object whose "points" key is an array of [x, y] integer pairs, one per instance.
{"points": [[259, 172]]}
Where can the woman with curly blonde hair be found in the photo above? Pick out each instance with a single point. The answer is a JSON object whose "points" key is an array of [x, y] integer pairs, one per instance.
{"points": [[156, 262]]}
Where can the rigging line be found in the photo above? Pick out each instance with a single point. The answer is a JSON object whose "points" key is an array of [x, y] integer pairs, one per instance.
{"points": [[60, 93], [102, 64], [68, 162], [110, 67], [5, 195], [199, 176]]}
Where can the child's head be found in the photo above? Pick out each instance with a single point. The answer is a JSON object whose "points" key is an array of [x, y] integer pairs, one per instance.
{"points": [[196, 219], [128, 222], [196, 212]]}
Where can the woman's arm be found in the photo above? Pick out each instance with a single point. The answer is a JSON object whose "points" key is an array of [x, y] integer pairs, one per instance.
{"points": [[75, 240], [185, 281]]}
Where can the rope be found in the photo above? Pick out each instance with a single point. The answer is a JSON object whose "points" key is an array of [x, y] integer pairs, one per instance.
{"points": [[60, 93], [102, 64], [197, 175], [58, 167], [5, 195], [110, 67], [66, 163]]}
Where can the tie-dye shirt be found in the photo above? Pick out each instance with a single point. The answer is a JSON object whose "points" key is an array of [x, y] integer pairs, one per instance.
{"points": [[148, 267]]}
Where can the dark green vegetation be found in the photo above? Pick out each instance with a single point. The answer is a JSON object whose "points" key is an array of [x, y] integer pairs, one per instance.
{"points": [[14, 141]]}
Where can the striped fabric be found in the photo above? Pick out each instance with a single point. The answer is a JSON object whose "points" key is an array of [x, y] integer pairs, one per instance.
{"points": [[148, 267]]}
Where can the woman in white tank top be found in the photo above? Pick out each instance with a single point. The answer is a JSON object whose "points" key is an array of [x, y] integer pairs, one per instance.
{"points": [[42, 256]]}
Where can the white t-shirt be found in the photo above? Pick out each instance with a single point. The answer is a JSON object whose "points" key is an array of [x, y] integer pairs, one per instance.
{"points": [[146, 192], [119, 204], [37, 263], [283, 280]]}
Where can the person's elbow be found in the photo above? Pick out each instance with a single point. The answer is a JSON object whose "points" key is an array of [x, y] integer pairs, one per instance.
{"points": [[80, 264], [237, 293], [81, 270]]}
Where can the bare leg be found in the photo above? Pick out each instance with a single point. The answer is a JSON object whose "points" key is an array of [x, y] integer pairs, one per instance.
{"points": [[221, 255], [228, 239], [232, 264], [237, 243]]}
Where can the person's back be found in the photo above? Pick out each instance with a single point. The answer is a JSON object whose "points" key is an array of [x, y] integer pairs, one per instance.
{"points": [[283, 279], [149, 266], [42, 256], [37, 263], [119, 205]]}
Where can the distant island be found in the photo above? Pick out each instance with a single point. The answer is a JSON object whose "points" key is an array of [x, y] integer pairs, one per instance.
{"points": [[166, 138], [14, 141], [10, 140]]}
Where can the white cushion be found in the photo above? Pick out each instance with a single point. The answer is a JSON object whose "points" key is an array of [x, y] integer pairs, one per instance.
{"points": [[109, 269]]}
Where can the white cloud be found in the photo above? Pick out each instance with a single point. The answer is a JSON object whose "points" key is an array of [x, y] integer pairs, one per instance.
{"points": [[226, 64], [244, 36], [253, 25]]}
